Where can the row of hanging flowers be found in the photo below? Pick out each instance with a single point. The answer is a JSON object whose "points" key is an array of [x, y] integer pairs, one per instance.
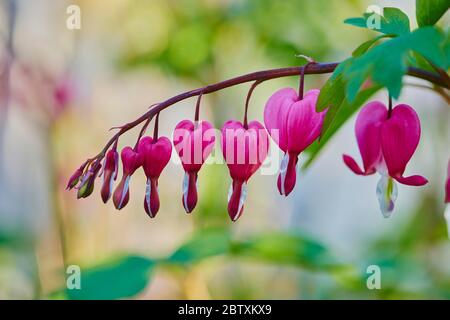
{"points": [[387, 138]]}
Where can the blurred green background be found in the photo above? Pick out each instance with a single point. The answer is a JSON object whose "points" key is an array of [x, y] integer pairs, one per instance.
{"points": [[66, 88]]}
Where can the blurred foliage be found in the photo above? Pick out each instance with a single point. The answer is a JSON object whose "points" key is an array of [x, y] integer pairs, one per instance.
{"points": [[127, 276], [120, 278], [197, 29]]}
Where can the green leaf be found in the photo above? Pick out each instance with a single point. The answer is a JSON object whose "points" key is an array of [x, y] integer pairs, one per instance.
{"points": [[393, 22], [333, 92], [345, 112], [367, 45], [290, 249], [387, 62], [428, 12], [117, 279], [206, 243]]}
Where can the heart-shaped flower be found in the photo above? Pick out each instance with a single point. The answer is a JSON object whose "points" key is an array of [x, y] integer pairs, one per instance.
{"points": [[244, 150], [131, 160], [193, 143], [110, 170], [294, 125], [155, 156], [386, 143]]}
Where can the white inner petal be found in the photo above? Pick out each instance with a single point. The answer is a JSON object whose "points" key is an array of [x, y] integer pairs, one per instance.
{"points": [[148, 189], [185, 189], [283, 171], [387, 193], [125, 190]]}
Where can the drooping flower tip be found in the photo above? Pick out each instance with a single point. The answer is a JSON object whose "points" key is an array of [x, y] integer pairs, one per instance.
{"points": [[193, 143], [109, 174], [131, 161], [155, 155], [244, 150], [87, 181], [294, 125]]}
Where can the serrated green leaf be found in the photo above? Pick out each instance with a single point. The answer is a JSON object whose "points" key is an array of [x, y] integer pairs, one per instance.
{"points": [[387, 62], [428, 12], [117, 279], [345, 112], [392, 22]]}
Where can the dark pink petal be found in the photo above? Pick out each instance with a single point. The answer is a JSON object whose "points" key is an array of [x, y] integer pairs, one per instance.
{"points": [[75, 178], [151, 200], [236, 199], [276, 114], [189, 198], [412, 180], [193, 143], [109, 173], [155, 155], [367, 130], [244, 151], [288, 175], [73, 181], [352, 165], [121, 195], [304, 123], [131, 160], [400, 136]]}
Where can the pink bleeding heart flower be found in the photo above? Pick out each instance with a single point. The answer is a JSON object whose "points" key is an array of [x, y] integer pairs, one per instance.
{"points": [[244, 150], [386, 143], [75, 177], [193, 143], [131, 160], [86, 186], [155, 155], [110, 168], [294, 125]]}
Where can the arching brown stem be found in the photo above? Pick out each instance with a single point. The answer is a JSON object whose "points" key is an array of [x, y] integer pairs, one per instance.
{"points": [[316, 68]]}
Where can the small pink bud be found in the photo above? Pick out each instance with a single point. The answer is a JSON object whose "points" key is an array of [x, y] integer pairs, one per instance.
{"points": [[131, 160], [75, 178], [87, 182], [110, 168]]}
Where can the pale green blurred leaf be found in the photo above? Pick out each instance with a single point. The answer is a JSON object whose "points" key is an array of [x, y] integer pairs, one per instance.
{"points": [[428, 12], [204, 244], [122, 278]]}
